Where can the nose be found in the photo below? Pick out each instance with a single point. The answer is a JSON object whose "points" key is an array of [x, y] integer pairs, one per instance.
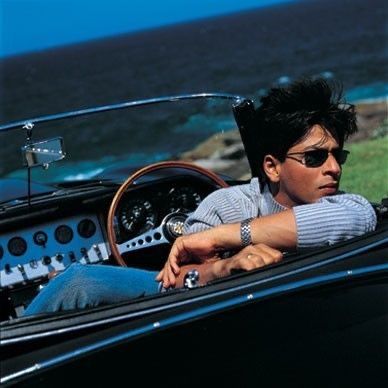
{"points": [[331, 166]]}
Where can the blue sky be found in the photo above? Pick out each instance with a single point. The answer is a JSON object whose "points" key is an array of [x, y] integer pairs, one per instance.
{"points": [[31, 25]]}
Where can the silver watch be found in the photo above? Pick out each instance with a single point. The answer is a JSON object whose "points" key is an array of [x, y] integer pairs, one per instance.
{"points": [[245, 232], [191, 279]]}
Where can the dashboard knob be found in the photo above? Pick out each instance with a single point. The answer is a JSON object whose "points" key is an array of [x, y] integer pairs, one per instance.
{"points": [[21, 269], [59, 257], [72, 257], [46, 260], [40, 238]]}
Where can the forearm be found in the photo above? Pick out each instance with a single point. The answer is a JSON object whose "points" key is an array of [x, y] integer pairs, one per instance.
{"points": [[327, 222], [278, 231]]}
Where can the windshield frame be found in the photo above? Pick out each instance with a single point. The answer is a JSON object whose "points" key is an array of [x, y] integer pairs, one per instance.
{"points": [[27, 123]]}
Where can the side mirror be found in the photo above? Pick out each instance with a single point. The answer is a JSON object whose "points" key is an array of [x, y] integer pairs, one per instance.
{"points": [[43, 152]]}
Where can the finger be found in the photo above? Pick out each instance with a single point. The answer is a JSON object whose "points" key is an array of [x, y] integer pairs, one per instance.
{"points": [[245, 263], [255, 261], [169, 277], [268, 253], [173, 259], [178, 255], [159, 276], [262, 259]]}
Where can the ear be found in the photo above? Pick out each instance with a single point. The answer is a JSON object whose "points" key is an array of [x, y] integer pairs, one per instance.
{"points": [[271, 167]]}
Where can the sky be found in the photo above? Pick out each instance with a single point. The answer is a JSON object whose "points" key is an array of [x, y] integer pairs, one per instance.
{"points": [[33, 25]]}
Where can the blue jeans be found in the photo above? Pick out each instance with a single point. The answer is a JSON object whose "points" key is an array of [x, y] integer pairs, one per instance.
{"points": [[82, 286]]}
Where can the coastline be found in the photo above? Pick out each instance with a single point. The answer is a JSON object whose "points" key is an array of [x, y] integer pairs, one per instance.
{"points": [[371, 115]]}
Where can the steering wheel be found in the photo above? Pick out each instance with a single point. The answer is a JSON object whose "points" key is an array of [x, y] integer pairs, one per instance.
{"points": [[171, 226]]}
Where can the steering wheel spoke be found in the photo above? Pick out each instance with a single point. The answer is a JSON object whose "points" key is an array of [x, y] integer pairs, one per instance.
{"points": [[151, 238]]}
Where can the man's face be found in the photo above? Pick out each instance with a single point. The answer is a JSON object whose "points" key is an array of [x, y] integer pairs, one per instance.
{"points": [[300, 184]]}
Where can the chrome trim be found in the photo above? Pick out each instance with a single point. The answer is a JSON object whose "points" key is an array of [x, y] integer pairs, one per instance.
{"points": [[147, 239], [322, 279], [28, 123], [196, 299]]}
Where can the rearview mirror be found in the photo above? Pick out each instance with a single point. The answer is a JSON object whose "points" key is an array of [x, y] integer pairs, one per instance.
{"points": [[44, 152]]}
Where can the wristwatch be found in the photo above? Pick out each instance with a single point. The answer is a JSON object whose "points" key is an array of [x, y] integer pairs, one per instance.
{"points": [[245, 232], [191, 279]]}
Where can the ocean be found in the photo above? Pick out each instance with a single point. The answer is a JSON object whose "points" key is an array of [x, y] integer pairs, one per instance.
{"points": [[242, 53]]}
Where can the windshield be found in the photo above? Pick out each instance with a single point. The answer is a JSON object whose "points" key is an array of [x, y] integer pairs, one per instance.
{"points": [[201, 130]]}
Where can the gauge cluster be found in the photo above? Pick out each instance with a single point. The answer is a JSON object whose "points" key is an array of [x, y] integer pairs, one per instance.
{"points": [[140, 213], [34, 252], [183, 199], [137, 216]]}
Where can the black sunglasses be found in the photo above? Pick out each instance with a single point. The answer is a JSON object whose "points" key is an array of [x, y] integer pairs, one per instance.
{"points": [[315, 158]]}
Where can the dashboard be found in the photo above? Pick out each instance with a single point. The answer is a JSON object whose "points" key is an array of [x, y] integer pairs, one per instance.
{"points": [[41, 239], [34, 252]]}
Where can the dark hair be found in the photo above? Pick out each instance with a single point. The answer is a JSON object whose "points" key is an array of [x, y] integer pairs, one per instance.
{"points": [[287, 114]]}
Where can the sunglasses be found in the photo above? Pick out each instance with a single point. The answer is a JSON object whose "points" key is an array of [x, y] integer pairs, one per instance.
{"points": [[315, 158]]}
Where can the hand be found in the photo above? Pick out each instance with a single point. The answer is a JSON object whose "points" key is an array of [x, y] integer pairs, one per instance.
{"points": [[194, 248], [250, 257]]}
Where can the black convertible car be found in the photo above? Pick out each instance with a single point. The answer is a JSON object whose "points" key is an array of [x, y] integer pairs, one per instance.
{"points": [[113, 185]]}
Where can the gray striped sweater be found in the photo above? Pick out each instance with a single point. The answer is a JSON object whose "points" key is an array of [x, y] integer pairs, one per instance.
{"points": [[330, 220]]}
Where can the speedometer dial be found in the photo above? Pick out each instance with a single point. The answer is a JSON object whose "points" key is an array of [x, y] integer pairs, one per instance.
{"points": [[183, 199], [137, 216]]}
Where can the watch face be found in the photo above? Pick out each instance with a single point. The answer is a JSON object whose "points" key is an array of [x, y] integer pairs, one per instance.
{"points": [[191, 279]]}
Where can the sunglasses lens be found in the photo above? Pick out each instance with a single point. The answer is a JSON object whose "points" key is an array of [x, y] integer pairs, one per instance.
{"points": [[315, 158], [340, 156]]}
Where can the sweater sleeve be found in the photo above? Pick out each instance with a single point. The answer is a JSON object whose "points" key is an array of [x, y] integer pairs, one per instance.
{"points": [[207, 214], [333, 219], [223, 206]]}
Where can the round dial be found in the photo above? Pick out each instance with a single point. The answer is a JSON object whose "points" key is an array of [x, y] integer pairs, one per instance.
{"points": [[63, 234], [137, 216], [183, 199], [86, 228], [17, 246]]}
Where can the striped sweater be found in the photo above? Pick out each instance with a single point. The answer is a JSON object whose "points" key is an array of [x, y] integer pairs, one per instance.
{"points": [[330, 220]]}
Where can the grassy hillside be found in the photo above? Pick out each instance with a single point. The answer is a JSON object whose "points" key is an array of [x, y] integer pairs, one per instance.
{"points": [[366, 171]]}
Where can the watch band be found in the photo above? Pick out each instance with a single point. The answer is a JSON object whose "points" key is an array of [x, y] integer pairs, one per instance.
{"points": [[245, 232]]}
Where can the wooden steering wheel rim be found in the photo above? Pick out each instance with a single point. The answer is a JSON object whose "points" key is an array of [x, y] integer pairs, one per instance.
{"points": [[145, 170]]}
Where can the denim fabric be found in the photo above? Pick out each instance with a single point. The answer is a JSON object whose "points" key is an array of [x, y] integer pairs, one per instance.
{"points": [[81, 286]]}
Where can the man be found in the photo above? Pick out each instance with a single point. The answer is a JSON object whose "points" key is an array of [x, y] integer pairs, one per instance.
{"points": [[302, 132]]}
